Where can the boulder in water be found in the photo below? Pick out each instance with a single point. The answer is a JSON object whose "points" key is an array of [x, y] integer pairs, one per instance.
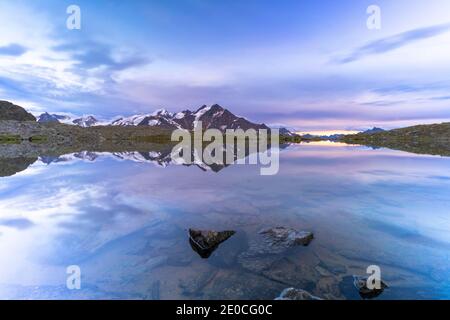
{"points": [[360, 283], [204, 242]]}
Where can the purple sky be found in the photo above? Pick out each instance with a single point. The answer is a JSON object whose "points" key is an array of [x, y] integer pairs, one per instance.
{"points": [[307, 65]]}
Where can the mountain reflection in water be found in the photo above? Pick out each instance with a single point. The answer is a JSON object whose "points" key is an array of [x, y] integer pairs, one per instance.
{"points": [[125, 224], [16, 158]]}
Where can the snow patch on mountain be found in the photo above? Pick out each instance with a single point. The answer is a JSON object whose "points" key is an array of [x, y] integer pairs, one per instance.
{"points": [[130, 121], [199, 114], [86, 121], [180, 115], [162, 113]]}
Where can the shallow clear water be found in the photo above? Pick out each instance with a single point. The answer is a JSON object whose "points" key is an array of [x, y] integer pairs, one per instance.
{"points": [[125, 224]]}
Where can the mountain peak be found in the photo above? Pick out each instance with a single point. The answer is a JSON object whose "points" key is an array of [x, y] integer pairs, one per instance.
{"points": [[216, 107], [162, 113], [86, 121], [46, 118]]}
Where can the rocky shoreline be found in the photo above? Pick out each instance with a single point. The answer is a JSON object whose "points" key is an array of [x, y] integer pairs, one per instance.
{"points": [[66, 134]]}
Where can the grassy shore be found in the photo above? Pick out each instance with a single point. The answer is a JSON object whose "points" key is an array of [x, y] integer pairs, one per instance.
{"points": [[431, 139], [10, 139]]}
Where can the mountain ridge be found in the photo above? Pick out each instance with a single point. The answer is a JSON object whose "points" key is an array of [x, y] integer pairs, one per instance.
{"points": [[212, 117]]}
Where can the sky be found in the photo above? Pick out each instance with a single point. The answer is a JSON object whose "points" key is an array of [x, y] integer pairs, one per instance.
{"points": [[306, 65]]}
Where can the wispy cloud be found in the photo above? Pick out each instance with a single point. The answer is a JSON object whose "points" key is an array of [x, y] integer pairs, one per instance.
{"points": [[95, 55], [394, 42], [382, 103], [13, 49], [407, 88], [19, 223], [441, 98]]}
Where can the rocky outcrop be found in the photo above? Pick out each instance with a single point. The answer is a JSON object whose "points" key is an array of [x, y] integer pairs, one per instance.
{"points": [[9, 111], [360, 284], [206, 242], [296, 294]]}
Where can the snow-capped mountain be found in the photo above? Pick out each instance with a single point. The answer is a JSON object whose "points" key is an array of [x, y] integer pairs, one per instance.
{"points": [[129, 121], [160, 118], [84, 121], [141, 119], [47, 118], [212, 117]]}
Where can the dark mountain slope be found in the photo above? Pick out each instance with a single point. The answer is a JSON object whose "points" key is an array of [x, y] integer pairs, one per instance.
{"points": [[9, 111]]}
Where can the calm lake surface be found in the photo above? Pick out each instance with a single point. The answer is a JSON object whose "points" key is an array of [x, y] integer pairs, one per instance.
{"points": [[125, 222]]}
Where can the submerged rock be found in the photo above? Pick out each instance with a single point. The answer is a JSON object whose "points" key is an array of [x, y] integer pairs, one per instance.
{"points": [[272, 241], [360, 283], [204, 242], [296, 294], [265, 256], [286, 237]]}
